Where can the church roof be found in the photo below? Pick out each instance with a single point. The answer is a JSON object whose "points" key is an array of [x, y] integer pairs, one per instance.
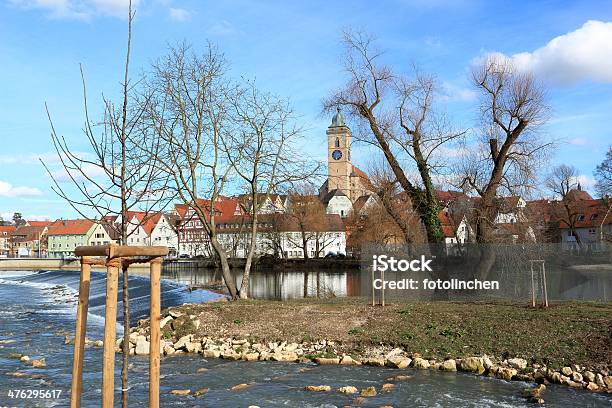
{"points": [[334, 193]]}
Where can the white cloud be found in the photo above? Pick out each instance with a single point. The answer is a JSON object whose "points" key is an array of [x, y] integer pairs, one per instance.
{"points": [[78, 9], [222, 28], [91, 171], [578, 141], [451, 93], [10, 191], [586, 182], [8, 215], [582, 54], [179, 14]]}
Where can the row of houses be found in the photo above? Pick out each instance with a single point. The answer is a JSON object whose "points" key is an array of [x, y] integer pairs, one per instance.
{"points": [[578, 220]]}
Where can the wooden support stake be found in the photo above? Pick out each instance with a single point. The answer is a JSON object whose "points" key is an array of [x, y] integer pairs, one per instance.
{"points": [[544, 283], [155, 296], [533, 296], [110, 331], [79, 338]]}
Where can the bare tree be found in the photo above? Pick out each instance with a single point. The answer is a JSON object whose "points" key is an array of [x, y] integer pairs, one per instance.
{"points": [[397, 114], [306, 221], [561, 182], [191, 114], [117, 175], [506, 158], [603, 175], [264, 130]]}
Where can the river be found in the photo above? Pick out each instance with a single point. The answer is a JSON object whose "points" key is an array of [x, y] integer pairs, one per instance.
{"points": [[36, 309]]}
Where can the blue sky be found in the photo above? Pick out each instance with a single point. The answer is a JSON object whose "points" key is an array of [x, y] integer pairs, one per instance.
{"points": [[293, 49]]}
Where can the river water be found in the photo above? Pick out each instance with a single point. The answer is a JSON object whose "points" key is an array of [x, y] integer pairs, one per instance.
{"points": [[36, 311]]}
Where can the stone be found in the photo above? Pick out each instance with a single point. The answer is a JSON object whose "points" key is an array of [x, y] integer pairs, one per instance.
{"points": [[589, 376], [182, 342], [284, 356], [398, 362], [230, 355], [487, 363], [142, 346], [449, 365], [318, 388], [387, 387], [24, 359], [168, 349], [98, 343], [175, 313], [518, 363], [420, 363], [566, 371], [193, 347], [555, 377], [506, 373], [377, 362], [395, 352], [400, 378], [599, 380], [250, 356], [347, 360], [368, 392], [327, 361], [607, 381], [39, 363], [349, 389], [576, 376], [165, 321], [202, 370], [239, 387], [591, 386], [211, 354], [239, 342], [200, 392], [180, 392], [133, 337], [472, 365], [535, 392]]}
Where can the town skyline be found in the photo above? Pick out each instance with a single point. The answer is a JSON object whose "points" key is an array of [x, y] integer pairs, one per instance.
{"points": [[306, 73]]}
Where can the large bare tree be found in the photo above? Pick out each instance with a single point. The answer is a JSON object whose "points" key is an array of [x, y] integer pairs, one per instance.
{"points": [[263, 129], [506, 157], [397, 114], [117, 175], [603, 175], [191, 113]]}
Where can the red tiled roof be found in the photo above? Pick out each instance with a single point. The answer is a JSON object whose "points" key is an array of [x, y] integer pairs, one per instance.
{"points": [[447, 224], [28, 233], [70, 227], [40, 223], [8, 229]]}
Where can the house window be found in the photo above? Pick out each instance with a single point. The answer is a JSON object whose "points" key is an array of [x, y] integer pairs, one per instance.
{"points": [[581, 217], [594, 217], [592, 231], [337, 143]]}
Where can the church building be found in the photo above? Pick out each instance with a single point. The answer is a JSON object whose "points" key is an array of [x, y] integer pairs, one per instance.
{"points": [[345, 183]]}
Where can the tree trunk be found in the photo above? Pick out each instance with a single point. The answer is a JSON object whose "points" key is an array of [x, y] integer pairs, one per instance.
{"points": [[244, 286], [225, 268]]}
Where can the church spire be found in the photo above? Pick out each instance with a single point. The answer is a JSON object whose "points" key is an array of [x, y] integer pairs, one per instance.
{"points": [[338, 119]]}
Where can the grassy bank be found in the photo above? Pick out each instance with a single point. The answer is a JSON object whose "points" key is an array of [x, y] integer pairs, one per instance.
{"points": [[565, 333]]}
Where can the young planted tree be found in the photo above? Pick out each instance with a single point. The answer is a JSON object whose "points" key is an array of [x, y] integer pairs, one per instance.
{"points": [[117, 174], [191, 114], [263, 129], [397, 114]]}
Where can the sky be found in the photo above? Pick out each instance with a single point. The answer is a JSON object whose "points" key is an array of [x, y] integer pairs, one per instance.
{"points": [[294, 50]]}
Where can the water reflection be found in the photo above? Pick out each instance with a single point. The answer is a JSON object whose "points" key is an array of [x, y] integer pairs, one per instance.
{"points": [[563, 283]]}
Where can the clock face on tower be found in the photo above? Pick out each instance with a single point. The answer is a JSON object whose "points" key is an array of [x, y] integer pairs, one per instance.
{"points": [[336, 155]]}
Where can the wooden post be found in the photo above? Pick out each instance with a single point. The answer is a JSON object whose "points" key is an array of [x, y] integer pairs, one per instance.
{"points": [[532, 285], [110, 331], [544, 283], [79, 335], [155, 296], [382, 290], [373, 291]]}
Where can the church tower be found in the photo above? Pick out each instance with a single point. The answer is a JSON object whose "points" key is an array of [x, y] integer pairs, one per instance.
{"points": [[339, 167]]}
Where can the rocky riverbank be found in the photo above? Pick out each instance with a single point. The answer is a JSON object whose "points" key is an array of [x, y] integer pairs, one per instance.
{"points": [[212, 331]]}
